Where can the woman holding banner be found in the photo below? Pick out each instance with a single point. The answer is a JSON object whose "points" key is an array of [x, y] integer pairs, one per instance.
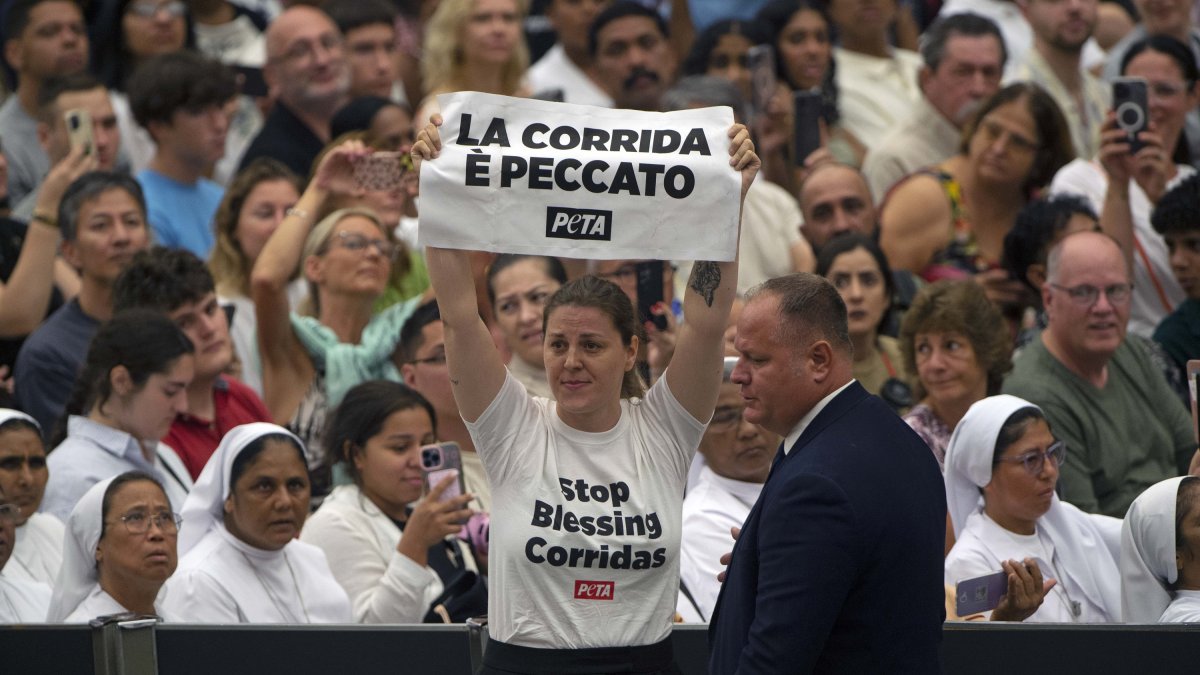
{"points": [[586, 489]]}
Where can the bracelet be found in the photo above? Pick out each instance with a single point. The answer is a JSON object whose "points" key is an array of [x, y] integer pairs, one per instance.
{"points": [[44, 218], [293, 211]]}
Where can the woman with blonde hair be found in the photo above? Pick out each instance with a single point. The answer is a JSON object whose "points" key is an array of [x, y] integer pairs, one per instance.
{"points": [[473, 45], [347, 258], [254, 205]]}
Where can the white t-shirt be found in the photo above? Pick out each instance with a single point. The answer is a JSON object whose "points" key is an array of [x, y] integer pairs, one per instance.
{"points": [[585, 526]]}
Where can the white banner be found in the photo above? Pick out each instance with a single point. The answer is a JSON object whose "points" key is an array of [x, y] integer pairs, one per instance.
{"points": [[525, 176]]}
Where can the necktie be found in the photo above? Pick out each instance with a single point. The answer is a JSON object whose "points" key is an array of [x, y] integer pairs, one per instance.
{"points": [[779, 455]]}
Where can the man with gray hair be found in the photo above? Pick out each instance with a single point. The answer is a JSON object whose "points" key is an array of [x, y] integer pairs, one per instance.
{"points": [[824, 597], [102, 216], [1103, 395], [964, 59], [309, 78], [771, 244]]}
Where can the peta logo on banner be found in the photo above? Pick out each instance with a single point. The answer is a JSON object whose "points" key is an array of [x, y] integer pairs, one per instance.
{"points": [[594, 590], [564, 223]]}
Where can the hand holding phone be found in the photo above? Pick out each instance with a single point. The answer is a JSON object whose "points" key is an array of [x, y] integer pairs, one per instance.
{"points": [[1131, 105], [381, 171], [79, 130]]}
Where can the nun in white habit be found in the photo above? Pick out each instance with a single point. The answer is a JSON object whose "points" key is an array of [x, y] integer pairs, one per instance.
{"points": [[241, 562], [21, 600], [37, 553], [1160, 583], [103, 562], [1003, 507]]}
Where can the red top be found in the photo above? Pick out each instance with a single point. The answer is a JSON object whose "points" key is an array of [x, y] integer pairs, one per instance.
{"points": [[195, 439]]}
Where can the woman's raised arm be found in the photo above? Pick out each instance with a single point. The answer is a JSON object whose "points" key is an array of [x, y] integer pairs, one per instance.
{"points": [[695, 370], [476, 370]]}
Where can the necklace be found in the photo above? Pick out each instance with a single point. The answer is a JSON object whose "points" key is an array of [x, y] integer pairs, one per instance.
{"points": [[275, 600], [1074, 607]]}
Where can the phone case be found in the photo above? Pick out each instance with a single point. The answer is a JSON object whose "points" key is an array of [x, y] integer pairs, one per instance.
{"points": [[380, 171], [79, 129], [760, 61], [1131, 103], [650, 292], [437, 461], [980, 594], [806, 125]]}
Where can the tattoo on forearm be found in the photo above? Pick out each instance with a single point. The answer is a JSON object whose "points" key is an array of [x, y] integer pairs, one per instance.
{"points": [[454, 381], [706, 277]]}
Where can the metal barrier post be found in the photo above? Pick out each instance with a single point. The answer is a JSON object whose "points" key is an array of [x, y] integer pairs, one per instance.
{"points": [[477, 634], [123, 644]]}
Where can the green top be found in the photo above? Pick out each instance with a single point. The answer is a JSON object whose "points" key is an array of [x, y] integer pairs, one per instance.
{"points": [[1179, 333], [1120, 439]]}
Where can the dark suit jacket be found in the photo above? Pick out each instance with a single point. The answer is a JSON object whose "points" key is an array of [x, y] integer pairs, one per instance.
{"points": [[839, 565]]}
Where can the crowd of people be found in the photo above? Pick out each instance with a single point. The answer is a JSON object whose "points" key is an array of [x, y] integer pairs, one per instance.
{"points": [[222, 349]]}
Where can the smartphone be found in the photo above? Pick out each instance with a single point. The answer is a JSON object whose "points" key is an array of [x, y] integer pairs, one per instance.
{"points": [[79, 129], [806, 124], [980, 594], [382, 171], [650, 292], [438, 461], [1130, 102], [252, 82], [760, 61], [1193, 378]]}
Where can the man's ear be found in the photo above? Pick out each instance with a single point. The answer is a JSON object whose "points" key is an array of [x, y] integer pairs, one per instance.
{"points": [[923, 76], [820, 360], [1036, 275], [12, 53], [70, 253]]}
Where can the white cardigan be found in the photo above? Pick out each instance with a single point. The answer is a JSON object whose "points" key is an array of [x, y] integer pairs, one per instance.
{"points": [[360, 541]]}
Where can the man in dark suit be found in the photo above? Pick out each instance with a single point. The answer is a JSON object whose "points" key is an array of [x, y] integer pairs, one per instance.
{"points": [[838, 568]]}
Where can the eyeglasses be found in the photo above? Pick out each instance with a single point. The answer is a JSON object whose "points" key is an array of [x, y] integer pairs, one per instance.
{"points": [[438, 359], [149, 10], [352, 241], [1086, 295], [628, 273], [1168, 89], [9, 513], [1035, 461], [726, 417], [306, 49], [138, 522]]}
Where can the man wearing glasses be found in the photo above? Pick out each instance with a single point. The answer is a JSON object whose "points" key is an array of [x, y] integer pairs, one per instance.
{"points": [[733, 462], [1102, 394], [308, 77]]}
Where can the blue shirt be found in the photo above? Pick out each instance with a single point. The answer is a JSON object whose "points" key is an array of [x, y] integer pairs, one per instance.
{"points": [[93, 452], [181, 215], [49, 363]]}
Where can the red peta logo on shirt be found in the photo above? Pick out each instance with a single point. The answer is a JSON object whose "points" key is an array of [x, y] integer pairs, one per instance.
{"points": [[594, 590]]}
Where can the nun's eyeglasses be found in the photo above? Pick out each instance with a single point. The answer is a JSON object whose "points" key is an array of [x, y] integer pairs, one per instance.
{"points": [[1035, 461], [138, 522]]}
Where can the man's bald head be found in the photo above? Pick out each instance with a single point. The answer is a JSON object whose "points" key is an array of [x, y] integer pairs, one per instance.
{"points": [[306, 65], [835, 198]]}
